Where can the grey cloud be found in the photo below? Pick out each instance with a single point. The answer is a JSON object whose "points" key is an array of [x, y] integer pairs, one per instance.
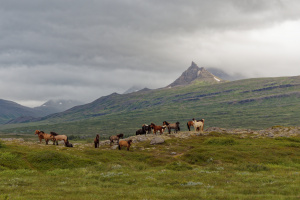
{"points": [[86, 49]]}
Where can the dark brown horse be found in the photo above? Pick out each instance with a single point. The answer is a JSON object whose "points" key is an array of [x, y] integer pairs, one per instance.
{"points": [[124, 143], [174, 126], [68, 144], [96, 141], [115, 137], [157, 128]]}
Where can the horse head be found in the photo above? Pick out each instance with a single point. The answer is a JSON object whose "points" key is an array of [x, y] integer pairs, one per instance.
{"points": [[37, 132], [166, 123]]}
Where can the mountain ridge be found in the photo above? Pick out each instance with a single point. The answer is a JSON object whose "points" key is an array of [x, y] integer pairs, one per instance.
{"points": [[194, 73]]}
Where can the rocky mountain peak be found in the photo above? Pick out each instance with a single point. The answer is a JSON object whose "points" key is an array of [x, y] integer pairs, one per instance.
{"points": [[195, 73]]}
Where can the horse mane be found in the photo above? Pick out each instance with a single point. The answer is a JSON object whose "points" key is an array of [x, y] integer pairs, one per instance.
{"points": [[167, 123], [53, 133], [177, 123], [129, 141], [121, 135], [42, 132]]}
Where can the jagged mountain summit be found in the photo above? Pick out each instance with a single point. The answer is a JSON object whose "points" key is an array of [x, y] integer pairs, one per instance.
{"points": [[194, 73]]}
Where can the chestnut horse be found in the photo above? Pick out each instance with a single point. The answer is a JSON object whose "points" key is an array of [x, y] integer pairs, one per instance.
{"points": [[96, 141], [157, 128], [45, 136], [57, 137], [115, 137], [199, 125], [124, 143], [189, 124], [174, 126]]}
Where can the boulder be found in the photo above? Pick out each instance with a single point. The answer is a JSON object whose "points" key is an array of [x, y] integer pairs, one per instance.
{"points": [[157, 140]]}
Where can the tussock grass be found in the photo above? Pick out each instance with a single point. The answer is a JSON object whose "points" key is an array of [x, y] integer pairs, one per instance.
{"points": [[201, 167]]}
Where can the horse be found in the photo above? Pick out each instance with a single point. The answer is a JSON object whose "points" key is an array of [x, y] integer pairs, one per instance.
{"points": [[96, 141], [68, 144], [124, 143], [147, 128], [57, 137], [174, 126], [143, 130], [45, 136], [199, 125], [189, 124], [157, 128], [115, 137]]}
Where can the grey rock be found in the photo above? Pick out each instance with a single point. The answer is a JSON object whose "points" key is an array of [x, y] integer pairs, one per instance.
{"points": [[157, 140]]}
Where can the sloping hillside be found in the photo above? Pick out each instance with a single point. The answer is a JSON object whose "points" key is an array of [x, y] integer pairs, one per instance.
{"points": [[252, 103]]}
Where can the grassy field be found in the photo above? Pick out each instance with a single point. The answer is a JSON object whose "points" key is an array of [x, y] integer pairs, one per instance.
{"points": [[215, 166]]}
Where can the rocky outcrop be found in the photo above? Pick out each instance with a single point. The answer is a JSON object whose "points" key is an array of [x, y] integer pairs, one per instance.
{"points": [[194, 73]]}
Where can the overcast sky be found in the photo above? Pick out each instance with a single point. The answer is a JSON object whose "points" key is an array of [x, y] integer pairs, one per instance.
{"points": [[85, 49]]}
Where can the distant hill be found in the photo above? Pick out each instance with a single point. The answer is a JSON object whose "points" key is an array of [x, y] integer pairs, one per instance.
{"points": [[11, 112], [224, 75], [54, 106], [248, 103], [133, 89], [194, 73]]}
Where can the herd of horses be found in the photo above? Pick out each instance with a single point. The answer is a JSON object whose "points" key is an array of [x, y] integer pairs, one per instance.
{"points": [[146, 129]]}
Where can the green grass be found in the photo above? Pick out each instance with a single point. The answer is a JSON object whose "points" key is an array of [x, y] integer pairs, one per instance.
{"points": [[216, 166]]}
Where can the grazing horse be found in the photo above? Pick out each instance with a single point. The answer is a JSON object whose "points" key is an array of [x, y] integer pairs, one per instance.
{"points": [[157, 128], [124, 143], [96, 141], [45, 136], [174, 126], [68, 144], [199, 125], [144, 130], [115, 137], [57, 137], [141, 131]]}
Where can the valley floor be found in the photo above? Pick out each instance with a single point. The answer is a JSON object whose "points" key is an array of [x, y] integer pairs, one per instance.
{"points": [[216, 164]]}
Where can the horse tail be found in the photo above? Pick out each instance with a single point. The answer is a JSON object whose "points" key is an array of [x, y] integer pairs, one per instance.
{"points": [[188, 126], [119, 146], [67, 139]]}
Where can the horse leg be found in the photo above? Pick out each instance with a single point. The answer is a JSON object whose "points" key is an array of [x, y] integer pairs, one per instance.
{"points": [[46, 141]]}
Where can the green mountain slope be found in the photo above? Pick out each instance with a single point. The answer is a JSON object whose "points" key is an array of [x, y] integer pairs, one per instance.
{"points": [[251, 103]]}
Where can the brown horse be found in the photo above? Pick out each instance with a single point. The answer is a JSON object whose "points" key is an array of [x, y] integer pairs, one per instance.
{"points": [[157, 128], [45, 136], [124, 143], [189, 124], [57, 137], [115, 137], [96, 141]]}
